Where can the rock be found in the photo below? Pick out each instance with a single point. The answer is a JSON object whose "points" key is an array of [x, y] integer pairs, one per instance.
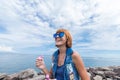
{"points": [[40, 77], [89, 74], [117, 77], [92, 71], [95, 73], [103, 69], [117, 70], [110, 74], [99, 73], [109, 79], [23, 75], [12, 77], [2, 75], [26, 74], [97, 77]]}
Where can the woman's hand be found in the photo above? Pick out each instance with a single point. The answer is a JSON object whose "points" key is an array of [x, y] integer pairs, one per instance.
{"points": [[40, 63]]}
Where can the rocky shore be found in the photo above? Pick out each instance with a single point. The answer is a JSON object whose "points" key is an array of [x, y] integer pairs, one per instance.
{"points": [[96, 73], [104, 73]]}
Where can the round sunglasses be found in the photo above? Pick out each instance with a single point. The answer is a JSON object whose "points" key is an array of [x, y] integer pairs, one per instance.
{"points": [[60, 35]]}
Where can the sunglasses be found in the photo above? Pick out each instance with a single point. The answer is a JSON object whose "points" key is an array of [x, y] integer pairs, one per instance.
{"points": [[60, 35]]}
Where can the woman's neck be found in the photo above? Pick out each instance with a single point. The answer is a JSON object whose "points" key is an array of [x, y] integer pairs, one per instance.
{"points": [[62, 49]]}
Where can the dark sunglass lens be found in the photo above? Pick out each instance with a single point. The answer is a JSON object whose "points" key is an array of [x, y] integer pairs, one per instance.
{"points": [[61, 34], [54, 35]]}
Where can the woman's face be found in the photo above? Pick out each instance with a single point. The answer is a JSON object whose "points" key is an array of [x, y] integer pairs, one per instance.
{"points": [[60, 41]]}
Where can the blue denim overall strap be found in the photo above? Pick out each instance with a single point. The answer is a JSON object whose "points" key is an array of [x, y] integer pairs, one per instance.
{"points": [[54, 67], [69, 65]]}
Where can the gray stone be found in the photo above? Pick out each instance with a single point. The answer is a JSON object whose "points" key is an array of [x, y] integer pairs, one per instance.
{"points": [[97, 77], [117, 77], [109, 79], [29, 73], [96, 73], [40, 77], [99, 73], [109, 74], [117, 70], [2, 75], [104, 69], [112, 72], [11, 77]]}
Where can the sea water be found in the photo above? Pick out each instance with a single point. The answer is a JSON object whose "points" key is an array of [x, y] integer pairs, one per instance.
{"points": [[13, 63]]}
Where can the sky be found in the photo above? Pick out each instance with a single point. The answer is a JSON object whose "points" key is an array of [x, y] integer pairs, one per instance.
{"points": [[27, 26]]}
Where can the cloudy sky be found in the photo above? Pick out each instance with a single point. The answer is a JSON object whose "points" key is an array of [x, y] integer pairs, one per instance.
{"points": [[27, 26]]}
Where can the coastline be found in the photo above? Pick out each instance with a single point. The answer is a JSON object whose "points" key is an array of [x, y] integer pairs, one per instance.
{"points": [[95, 73]]}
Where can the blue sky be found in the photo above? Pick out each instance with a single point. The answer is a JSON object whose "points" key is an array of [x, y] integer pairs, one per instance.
{"points": [[28, 26]]}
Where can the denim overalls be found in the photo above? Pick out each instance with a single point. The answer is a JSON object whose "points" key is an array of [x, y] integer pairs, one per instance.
{"points": [[70, 71]]}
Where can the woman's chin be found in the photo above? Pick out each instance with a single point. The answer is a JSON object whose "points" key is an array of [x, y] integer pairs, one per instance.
{"points": [[57, 45]]}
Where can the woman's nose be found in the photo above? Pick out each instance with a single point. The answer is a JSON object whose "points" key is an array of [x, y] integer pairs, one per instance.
{"points": [[57, 38]]}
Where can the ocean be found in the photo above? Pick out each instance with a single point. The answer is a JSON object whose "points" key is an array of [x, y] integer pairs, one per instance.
{"points": [[13, 63]]}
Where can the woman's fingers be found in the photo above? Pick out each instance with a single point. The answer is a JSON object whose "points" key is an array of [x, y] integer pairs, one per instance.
{"points": [[39, 62]]}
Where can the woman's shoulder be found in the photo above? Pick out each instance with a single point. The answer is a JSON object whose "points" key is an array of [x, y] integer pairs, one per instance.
{"points": [[75, 55]]}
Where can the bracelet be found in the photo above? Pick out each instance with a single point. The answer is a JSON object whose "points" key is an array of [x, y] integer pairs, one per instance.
{"points": [[47, 77]]}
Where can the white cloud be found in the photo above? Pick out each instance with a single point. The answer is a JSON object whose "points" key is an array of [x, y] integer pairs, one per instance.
{"points": [[93, 24], [57, 13]]}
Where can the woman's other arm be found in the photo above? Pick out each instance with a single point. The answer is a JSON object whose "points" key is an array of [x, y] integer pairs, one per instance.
{"points": [[80, 66]]}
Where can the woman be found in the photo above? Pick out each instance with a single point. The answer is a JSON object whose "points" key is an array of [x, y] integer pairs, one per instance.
{"points": [[67, 64]]}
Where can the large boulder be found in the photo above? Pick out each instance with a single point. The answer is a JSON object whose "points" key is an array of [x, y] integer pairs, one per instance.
{"points": [[12, 77], [104, 69], [97, 77], [105, 73], [27, 74], [117, 70], [23, 75], [2, 75], [110, 74]]}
